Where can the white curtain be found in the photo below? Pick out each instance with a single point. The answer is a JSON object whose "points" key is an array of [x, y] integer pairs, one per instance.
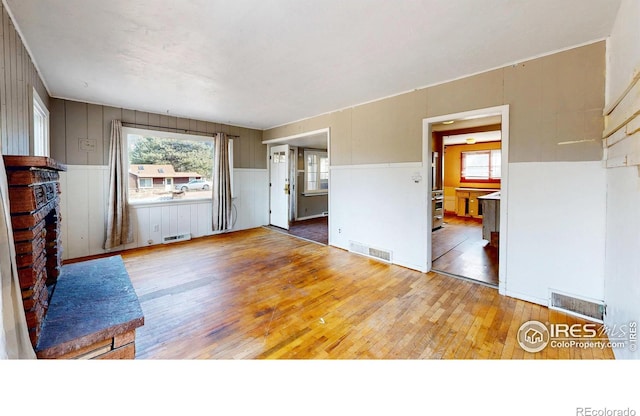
{"points": [[222, 202], [14, 334], [119, 231]]}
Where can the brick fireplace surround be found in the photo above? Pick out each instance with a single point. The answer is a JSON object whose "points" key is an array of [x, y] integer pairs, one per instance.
{"points": [[82, 310]]}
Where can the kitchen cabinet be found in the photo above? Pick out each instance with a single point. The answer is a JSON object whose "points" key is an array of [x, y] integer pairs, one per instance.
{"points": [[467, 203]]}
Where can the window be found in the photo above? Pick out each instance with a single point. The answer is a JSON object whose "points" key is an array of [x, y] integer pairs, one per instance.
{"points": [[40, 127], [145, 183], [316, 172], [166, 166], [481, 166]]}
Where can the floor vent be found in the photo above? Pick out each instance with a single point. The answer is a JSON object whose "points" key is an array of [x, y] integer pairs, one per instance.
{"points": [[376, 253], [175, 238], [588, 309]]}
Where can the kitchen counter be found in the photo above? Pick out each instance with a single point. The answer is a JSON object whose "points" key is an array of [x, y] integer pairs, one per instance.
{"points": [[493, 196], [491, 217], [478, 189], [468, 201]]}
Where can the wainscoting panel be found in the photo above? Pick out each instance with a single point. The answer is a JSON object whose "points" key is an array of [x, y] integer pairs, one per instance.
{"points": [[381, 206], [556, 222], [84, 199]]}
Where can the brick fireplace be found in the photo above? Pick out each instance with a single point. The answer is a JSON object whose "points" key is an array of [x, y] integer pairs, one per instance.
{"points": [[87, 309], [35, 217]]}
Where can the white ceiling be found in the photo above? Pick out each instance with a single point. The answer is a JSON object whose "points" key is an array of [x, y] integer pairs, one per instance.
{"points": [[317, 140], [479, 137], [260, 64]]}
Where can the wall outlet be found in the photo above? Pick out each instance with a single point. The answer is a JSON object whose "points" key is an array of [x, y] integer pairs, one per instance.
{"points": [[156, 228]]}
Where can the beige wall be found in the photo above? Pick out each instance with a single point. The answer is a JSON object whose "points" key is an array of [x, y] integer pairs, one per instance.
{"points": [[553, 99], [18, 77], [72, 121]]}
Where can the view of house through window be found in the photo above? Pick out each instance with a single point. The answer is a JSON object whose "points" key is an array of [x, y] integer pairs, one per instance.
{"points": [[316, 171], [483, 165], [166, 166]]}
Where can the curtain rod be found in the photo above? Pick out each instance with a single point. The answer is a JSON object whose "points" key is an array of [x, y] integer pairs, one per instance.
{"points": [[177, 130]]}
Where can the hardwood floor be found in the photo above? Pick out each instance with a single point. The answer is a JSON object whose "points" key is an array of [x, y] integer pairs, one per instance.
{"points": [[260, 294], [458, 249]]}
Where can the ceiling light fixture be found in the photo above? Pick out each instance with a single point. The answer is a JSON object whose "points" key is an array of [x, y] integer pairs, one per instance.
{"points": [[471, 140], [448, 122]]}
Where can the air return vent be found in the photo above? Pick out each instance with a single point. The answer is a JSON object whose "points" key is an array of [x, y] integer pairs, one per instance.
{"points": [[588, 309], [175, 238], [376, 253]]}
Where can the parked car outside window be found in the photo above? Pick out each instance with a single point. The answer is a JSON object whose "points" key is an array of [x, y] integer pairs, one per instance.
{"points": [[194, 185]]}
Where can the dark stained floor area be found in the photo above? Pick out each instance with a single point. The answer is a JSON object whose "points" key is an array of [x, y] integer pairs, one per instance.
{"points": [[458, 249], [315, 229]]}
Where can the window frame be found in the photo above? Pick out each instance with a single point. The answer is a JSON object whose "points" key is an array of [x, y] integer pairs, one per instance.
{"points": [[126, 131], [320, 154], [39, 136], [490, 178]]}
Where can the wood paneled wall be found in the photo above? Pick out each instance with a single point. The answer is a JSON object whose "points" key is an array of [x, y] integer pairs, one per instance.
{"points": [[556, 105], [622, 128], [18, 77], [72, 121]]}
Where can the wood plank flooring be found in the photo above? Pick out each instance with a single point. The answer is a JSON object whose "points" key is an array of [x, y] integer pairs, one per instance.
{"points": [[260, 294], [458, 248]]}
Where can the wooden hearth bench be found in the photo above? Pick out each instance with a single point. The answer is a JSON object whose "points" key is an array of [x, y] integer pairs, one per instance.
{"points": [[93, 313]]}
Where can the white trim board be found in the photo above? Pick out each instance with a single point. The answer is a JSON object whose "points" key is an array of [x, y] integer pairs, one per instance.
{"points": [[379, 165]]}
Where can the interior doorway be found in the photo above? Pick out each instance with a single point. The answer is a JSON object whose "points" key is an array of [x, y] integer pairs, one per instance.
{"points": [[469, 159], [306, 186]]}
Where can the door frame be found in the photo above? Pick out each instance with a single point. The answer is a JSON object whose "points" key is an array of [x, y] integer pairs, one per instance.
{"points": [[295, 140], [293, 183], [503, 111]]}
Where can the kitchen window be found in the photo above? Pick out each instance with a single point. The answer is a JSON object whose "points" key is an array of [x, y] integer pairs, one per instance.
{"points": [[481, 166]]}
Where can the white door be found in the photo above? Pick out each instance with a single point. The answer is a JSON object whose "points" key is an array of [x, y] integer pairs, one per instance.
{"points": [[279, 186]]}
